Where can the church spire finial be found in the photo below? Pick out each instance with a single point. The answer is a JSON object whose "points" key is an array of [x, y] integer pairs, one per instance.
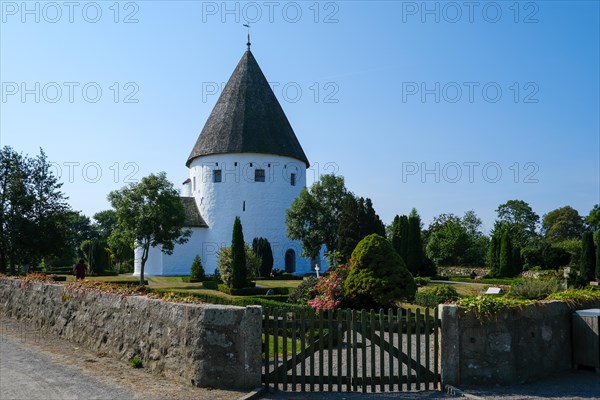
{"points": [[248, 44]]}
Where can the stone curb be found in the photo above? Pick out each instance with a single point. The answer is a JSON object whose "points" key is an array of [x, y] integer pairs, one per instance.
{"points": [[255, 394]]}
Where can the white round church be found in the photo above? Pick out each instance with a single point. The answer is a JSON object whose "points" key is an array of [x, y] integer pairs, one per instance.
{"points": [[247, 162]]}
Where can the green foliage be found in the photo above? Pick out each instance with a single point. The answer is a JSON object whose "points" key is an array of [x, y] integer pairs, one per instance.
{"points": [[212, 285], [562, 224], [575, 280], [197, 273], [421, 281], [358, 219], [96, 254], [562, 254], [348, 230], [588, 257], [120, 250], [262, 249], [576, 295], [378, 275], [136, 362], [33, 212], [431, 297], [415, 256], [517, 217], [535, 289], [150, 214], [493, 255], [456, 241], [593, 218], [238, 257], [225, 266], [489, 305], [449, 244], [305, 291], [314, 216], [507, 266]]}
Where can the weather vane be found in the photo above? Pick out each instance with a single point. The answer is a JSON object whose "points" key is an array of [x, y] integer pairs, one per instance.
{"points": [[248, 26]]}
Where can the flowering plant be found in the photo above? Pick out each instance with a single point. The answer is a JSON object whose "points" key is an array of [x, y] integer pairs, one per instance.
{"points": [[330, 289]]}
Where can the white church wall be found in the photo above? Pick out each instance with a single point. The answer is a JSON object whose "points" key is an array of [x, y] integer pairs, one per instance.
{"points": [[261, 206], [176, 264], [153, 265]]}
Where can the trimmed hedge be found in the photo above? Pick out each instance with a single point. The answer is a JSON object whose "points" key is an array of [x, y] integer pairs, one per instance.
{"points": [[212, 285], [214, 298], [250, 290], [284, 277]]}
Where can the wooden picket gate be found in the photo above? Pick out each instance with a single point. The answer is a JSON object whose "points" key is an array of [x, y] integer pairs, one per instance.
{"points": [[350, 350]]}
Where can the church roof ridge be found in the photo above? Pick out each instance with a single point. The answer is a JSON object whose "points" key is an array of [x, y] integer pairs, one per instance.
{"points": [[248, 118]]}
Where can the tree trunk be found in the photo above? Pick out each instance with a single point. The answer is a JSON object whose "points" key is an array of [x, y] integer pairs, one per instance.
{"points": [[144, 259]]}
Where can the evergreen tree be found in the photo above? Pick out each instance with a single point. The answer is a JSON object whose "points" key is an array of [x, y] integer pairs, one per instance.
{"points": [[588, 258], [404, 237], [373, 223], [262, 248], [493, 256], [348, 231], [506, 254], [395, 234], [238, 256], [197, 274], [415, 257]]}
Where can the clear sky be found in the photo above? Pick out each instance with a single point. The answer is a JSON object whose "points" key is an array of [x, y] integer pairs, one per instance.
{"points": [[442, 106]]}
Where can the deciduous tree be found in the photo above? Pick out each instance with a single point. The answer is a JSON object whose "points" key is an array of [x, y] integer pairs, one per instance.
{"points": [[314, 216], [562, 224], [33, 211], [149, 214]]}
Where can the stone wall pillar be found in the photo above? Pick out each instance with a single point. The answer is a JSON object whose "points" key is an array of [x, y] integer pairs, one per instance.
{"points": [[449, 342]]}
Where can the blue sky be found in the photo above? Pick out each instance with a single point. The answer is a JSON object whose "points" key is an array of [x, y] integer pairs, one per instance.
{"points": [[441, 106]]}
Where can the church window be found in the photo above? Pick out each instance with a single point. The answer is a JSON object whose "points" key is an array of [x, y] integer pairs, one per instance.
{"points": [[293, 179], [259, 175], [217, 175], [244, 206], [194, 183], [235, 164]]}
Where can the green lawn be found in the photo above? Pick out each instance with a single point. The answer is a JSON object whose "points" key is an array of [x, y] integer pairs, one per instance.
{"points": [[278, 283], [465, 289]]}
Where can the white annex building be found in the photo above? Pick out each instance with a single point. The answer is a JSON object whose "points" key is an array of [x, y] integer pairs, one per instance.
{"points": [[247, 162]]}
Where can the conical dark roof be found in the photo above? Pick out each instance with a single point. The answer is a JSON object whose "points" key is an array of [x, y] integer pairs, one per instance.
{"points": [[248, 119]]}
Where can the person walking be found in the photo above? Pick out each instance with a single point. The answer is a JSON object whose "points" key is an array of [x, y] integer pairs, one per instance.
{"points": [[80, 269]]}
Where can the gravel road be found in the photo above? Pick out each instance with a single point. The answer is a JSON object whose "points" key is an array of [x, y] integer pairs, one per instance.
{"points": [[35, 365], [26, 374]]}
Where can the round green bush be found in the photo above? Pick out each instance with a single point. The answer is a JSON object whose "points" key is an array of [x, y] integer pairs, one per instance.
{"points": [[432, 296], [378, 275]]}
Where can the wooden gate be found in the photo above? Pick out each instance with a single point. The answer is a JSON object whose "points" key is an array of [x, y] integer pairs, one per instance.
{"points": [[350, 350]]}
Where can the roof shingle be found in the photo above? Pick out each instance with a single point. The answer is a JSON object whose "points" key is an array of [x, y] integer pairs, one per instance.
{"points": [[248, 119]]}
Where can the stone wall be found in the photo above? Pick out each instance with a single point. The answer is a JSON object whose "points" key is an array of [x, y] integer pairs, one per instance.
{"points": [[204, 345], [462, 271], [514, 346]]}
